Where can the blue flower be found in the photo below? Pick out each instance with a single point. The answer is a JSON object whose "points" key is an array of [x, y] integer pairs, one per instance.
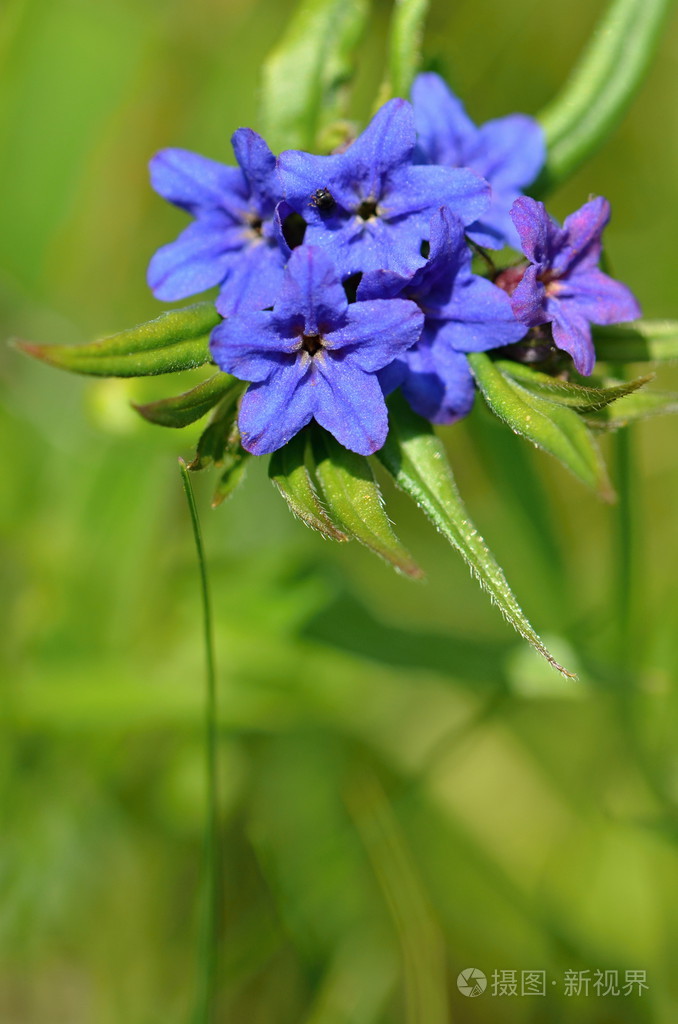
{"points": [[235, 241], [563, 285], [369, 207], [509, 152], [463, 313], [315, 357]]}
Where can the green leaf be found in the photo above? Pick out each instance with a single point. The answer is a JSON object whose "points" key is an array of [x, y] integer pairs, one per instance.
{"points": [[289, 472], [221, 436], [352, 498], [575, 396], [554, 428], [417, 461], [176, 340], [601, 86], [639, 406], [304, 78], [235, 463], [637, 342], [188, 407], [405, 39]]}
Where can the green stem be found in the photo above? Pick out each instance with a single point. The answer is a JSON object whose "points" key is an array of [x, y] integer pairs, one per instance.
{"points": [[205, 1005], [626, 515]]}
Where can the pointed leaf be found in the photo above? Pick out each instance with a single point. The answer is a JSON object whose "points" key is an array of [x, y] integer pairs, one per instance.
{"points": [[221, 435], [177, 340], [289, 472], [641, 341], [600, 88], [563, 392], [416, 459], [405, 38], [189, 406], [555, 429], [639, 406], [235, 465], [352, 498], [305, 75]]}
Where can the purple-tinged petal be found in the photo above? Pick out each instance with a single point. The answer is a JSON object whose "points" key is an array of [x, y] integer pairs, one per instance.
{"points": [[443, 126], [350, 404], [250, 347], [194, 182], [541, 238], [572, 333], [421, 189], [258, 166], [198, 259], [254, 281], [433, 285], [509, 152], [311, 295], [582, 240], [601, 299], [376, 332], [495, 229], [274, 411], [528, 301]]}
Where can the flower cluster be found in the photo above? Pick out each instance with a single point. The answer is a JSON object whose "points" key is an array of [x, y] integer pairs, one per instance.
{"points": [[343, 277]]}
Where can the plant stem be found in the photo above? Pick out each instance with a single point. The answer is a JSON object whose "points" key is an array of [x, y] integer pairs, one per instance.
{"points": [[209, 946]]}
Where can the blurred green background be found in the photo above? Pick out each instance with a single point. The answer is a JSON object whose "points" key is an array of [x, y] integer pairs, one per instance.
{"points": [[406, 791]]}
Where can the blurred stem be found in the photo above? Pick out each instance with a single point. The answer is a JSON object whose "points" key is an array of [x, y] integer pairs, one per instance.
{"points": [[623, 459], [205, 1005]]}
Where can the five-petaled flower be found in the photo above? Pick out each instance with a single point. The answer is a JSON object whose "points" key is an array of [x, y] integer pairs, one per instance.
{"points": [[370, 206], [235, 241], [508, 151], [563, 284], [314, 356], [463, 313]]}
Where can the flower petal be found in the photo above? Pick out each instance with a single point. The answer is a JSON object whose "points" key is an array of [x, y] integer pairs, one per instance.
{"points": [[275, 410], [254, 281], [540, 237], [508, 151], [422, 189], [601, 299], [312, 298], [443, 126], [528, 301], [478, 317], [582, 233], [572, 333], [377, 332], [386, 144], [438, 386], [301, 174], [258, 166], [350, 404], [198, 259], [250, 347], [194, 182]]}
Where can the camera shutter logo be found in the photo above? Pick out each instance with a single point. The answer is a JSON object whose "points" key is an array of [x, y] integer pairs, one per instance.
{"points": [[471, 982]]}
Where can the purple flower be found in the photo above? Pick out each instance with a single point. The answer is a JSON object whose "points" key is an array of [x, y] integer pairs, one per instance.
{"points": [[563, 285], [369, 207], [315, 357], [509, 152], [235, 240], [463, 313]]}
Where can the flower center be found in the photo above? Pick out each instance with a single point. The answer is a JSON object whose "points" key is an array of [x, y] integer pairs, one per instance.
{"points": [[367, 209], [311, 343], [255, 224]]}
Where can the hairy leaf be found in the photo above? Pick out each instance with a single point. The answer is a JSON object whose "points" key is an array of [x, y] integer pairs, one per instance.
{"points": [[305, 76], [416, 459], [289, 472], [188, 407], [554, 428], [639, 406], [176, 340], [234, 464], [221, 435], [576, 396], [352, 498], [601, 86]]}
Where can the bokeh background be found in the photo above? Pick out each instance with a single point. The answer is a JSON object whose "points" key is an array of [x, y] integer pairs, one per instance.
{"points": [[406, 791]]}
